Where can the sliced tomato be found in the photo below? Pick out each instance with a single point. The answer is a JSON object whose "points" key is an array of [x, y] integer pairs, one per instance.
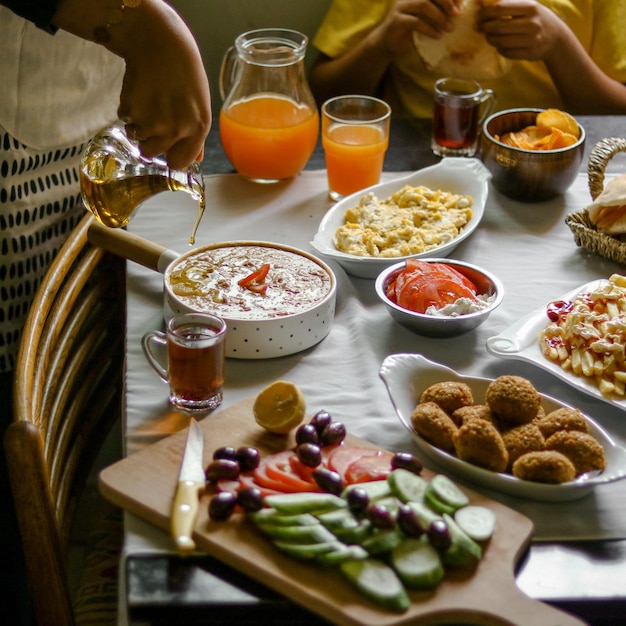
{"points": [[277, 469], [436, 292], [343, 456], [300, 469], [254, 281], [248, 480], [371, 467]]}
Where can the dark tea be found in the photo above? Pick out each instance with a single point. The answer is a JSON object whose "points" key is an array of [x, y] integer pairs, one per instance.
{"points": [[455, 124], [195, 359], [195, 364], [460, 106]]}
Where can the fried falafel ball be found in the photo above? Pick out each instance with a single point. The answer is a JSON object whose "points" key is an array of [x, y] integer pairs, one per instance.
{"points": [[564, 418], [514, 399], [479, 442], [433, 424], [582, 449], [475, 411], [449, 395], [544, 466], [521, 439]]}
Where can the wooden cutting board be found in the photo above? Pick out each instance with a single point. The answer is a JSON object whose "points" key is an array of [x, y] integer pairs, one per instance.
{"points": [[144, 484]]}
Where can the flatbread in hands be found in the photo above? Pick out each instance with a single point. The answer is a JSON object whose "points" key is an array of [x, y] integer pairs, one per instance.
{"points": [[463, 52], [608, 211]]}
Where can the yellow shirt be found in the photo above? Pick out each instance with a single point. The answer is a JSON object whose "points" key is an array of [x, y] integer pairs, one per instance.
{"points": [[599, 25]]}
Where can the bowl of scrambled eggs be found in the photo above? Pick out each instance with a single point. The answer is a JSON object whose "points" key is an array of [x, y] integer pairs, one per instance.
{"points": [[425, 214]]}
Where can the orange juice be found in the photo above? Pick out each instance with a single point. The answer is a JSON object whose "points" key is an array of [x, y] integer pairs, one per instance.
{"points": [[354, 157], [268, 137]]}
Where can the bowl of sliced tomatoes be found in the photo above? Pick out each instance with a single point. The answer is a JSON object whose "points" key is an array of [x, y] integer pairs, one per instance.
{"points": [[439, 297]]}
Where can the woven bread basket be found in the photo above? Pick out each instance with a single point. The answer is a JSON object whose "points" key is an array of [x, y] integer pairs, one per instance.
{"points": [[586, 234]]}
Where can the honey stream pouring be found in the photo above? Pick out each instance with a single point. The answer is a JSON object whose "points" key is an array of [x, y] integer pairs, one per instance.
{"points": [[115, 178]]}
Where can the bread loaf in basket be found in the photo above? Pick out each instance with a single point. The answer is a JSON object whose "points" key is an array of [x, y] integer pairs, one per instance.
{"points": [[582, 224]]}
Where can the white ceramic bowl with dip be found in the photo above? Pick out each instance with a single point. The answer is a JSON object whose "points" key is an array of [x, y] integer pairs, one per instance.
{"points": [[295, 313]]}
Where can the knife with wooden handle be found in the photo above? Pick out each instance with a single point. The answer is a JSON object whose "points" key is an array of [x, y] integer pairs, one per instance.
{"points": [[191, 482]]}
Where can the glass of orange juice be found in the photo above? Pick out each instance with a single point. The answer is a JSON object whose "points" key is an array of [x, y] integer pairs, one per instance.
{"points": [[355, 136]]}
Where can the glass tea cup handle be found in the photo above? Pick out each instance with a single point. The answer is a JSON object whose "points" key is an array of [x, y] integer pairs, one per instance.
{"points": [[150, 340], [488, 102]]}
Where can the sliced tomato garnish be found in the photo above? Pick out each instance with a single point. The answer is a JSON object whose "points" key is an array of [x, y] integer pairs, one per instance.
{"points": [[300, 469], [436, 292], [424, 284], [343, 456], [248, 480], [254, 281], [372, 467], [277, 473]]}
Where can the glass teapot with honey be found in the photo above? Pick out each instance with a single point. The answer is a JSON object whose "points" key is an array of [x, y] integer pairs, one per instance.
{"points": [[115, 178], [269, 121]]}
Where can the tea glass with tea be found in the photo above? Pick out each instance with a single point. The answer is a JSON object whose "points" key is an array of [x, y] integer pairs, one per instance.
{"points": [[194, 344], [460, 107], [355, 137]]}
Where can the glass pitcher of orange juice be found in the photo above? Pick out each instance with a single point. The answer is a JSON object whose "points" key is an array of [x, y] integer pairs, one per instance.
{"points": [[269, 122]]}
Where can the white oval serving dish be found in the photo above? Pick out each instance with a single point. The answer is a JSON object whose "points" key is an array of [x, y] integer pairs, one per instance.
{"points": [[454, 174], [407, 375]]}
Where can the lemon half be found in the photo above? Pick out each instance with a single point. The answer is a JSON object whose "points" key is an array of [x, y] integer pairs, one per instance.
{"points": [[280, 407]]}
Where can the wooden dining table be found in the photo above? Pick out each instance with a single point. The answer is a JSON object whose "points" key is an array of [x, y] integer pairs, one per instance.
{"points": [[577, 559]]}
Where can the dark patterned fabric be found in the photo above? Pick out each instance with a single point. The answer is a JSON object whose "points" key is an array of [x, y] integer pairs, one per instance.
{"points": [[39, 206], [39, 12]]}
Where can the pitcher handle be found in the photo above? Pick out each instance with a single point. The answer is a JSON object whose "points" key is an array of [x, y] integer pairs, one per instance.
{"points": [[229, 71]]}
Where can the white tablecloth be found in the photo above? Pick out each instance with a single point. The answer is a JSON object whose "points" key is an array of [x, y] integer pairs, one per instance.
{"points": [[528, 246]]}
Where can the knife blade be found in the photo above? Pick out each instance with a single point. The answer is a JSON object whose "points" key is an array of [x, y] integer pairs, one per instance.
{"points": [[191, 481]]}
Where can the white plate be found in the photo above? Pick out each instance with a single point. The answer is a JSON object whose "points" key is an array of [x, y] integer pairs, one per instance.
{"points": [[456, 175], [521, 341], [407, 375]]}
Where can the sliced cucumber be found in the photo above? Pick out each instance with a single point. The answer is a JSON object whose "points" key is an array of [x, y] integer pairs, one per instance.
{"points": [[464, 551], [417, 564], [383, 541], [299, 534], [448, 492], [355, 535], [310, 550], [378, 582], [293, 503], [435, 504], [424, 513], [275, 518], [478, 522], [338, 519], [375, 489], [407, 486], [341, 555]]}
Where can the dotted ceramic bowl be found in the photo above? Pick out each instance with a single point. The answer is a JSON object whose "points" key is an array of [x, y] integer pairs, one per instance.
{"points": [[267, 326]]}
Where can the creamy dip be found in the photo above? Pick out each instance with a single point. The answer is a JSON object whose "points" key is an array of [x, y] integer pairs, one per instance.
{"points": [[462, 306], [209, 281]]}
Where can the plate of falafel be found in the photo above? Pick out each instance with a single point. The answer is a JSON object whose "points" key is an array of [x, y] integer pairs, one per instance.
{"points": [[501, 433]]}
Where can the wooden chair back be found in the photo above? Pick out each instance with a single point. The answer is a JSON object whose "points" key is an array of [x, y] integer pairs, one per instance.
{"points": [[67, 396]]}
